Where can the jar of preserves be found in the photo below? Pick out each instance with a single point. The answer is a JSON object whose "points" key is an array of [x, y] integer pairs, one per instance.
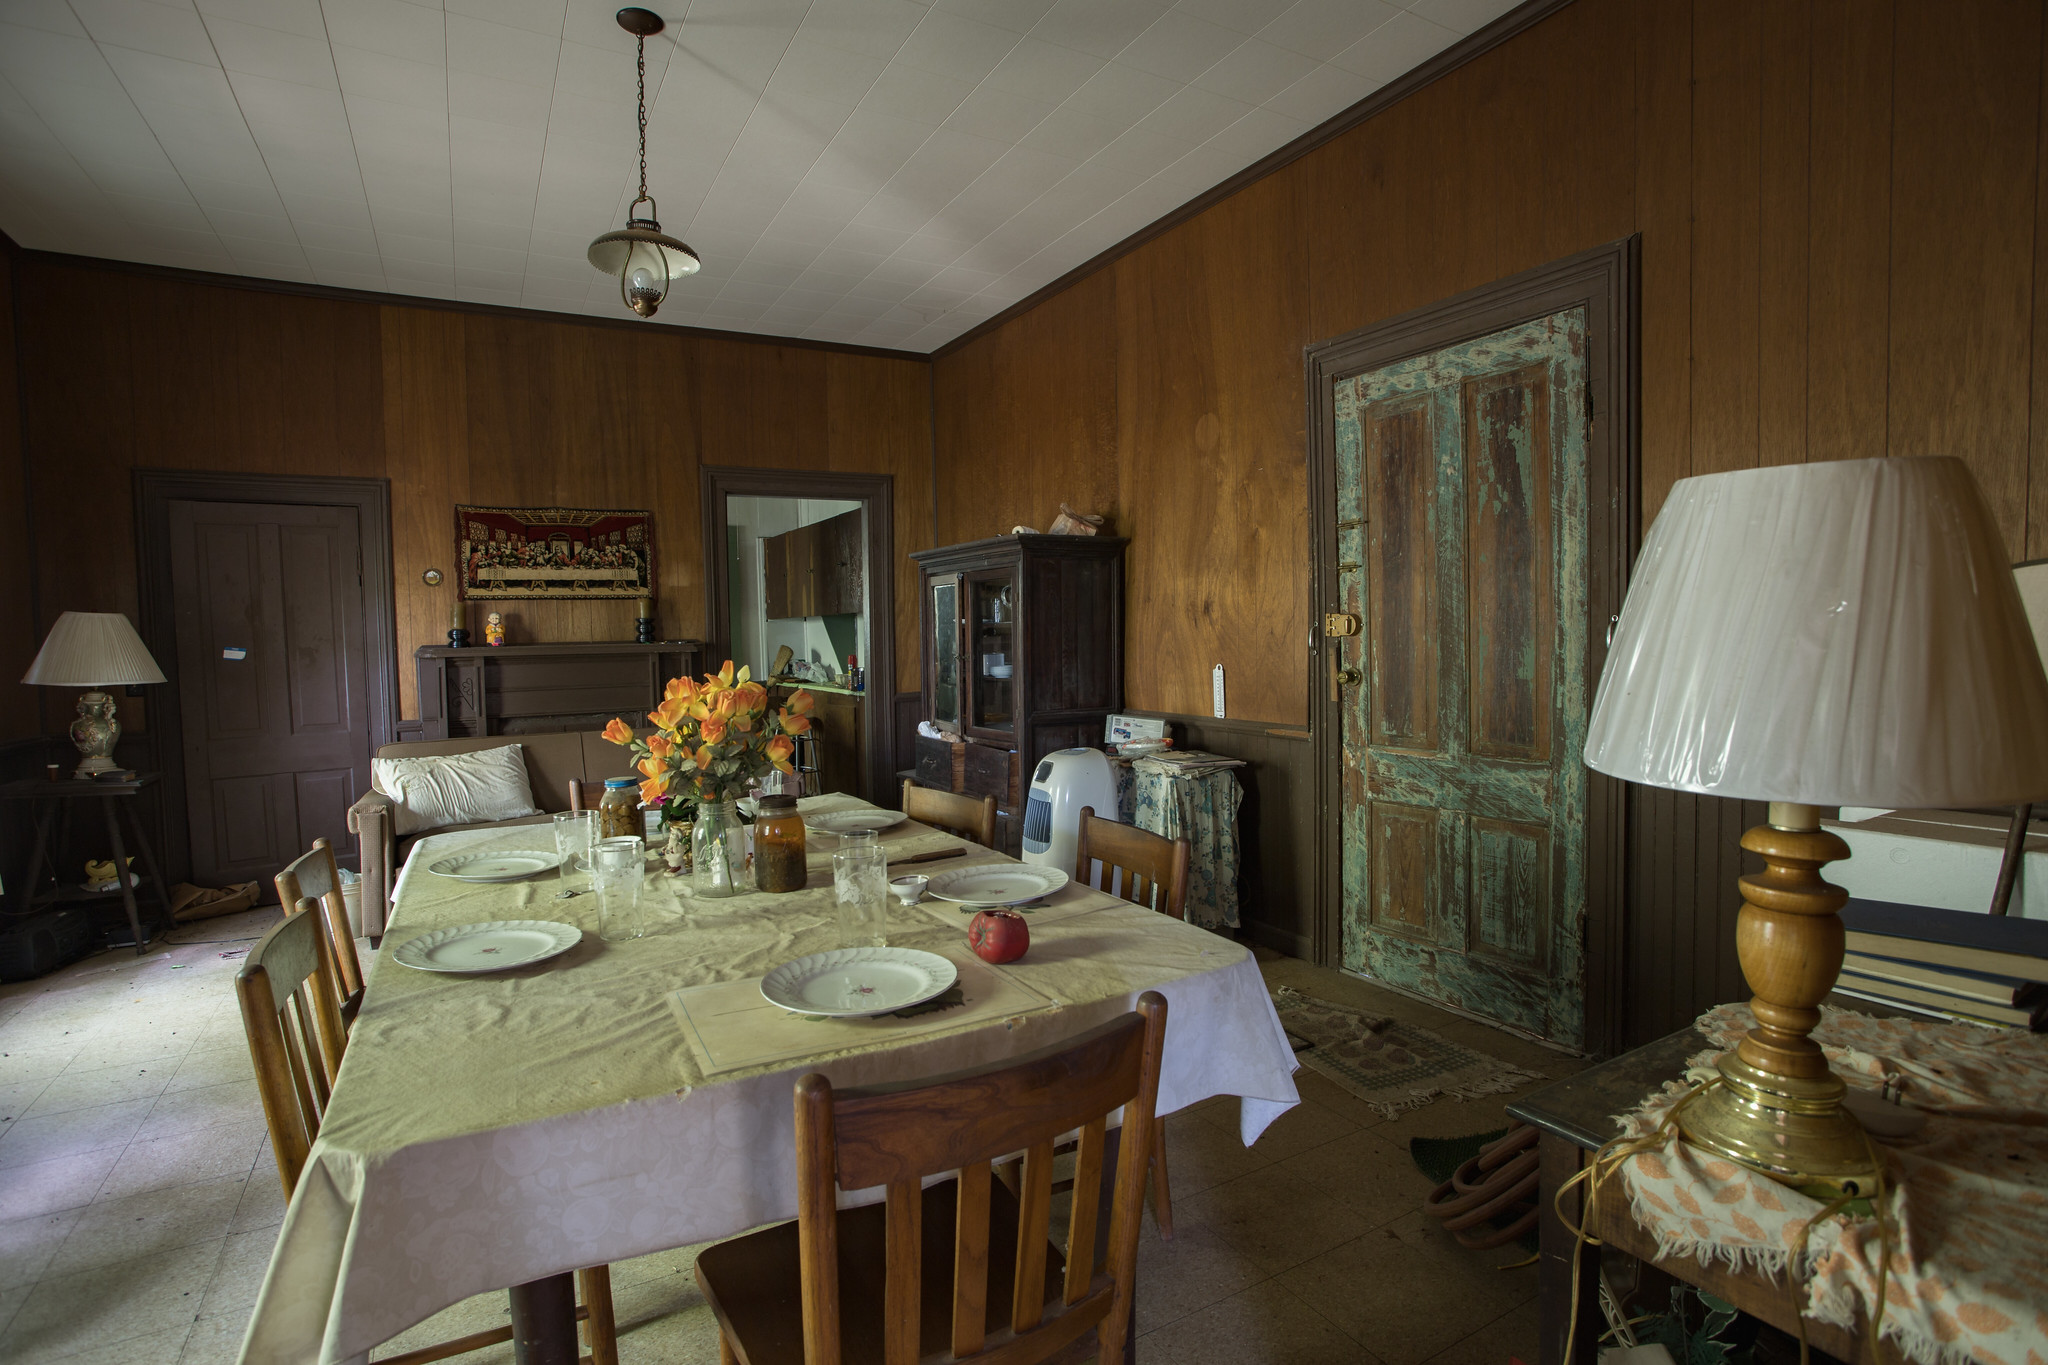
{"points": [[779, 845], [618, 814]]}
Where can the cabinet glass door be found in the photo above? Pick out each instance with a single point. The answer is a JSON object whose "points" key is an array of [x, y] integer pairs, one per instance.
{"points": [[946, 653], [991, 651]]}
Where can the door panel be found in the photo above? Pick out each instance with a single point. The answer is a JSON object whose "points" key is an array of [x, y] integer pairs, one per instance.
{"points": [[1461, 508], [272, 680]]}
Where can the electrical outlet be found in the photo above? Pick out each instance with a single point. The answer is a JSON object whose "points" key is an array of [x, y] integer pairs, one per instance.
{"points": [[1218, 688]]}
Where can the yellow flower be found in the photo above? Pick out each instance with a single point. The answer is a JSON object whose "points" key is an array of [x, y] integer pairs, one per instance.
{"points": [[618, 732], [779, 749], [799, 704], [680, 687], [751, 698], [651, 790], [669, 714], [713, 728], [660, 746], [793, 724]]}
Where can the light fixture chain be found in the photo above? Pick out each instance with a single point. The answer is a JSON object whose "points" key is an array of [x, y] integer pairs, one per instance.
{"points": [[642, 44]]}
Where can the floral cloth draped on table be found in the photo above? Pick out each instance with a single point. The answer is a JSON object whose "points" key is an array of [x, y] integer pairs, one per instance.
{"points": [[1969, 1191], [1202, 810]]}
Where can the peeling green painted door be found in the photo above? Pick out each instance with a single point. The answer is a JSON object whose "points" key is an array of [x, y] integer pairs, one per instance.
{"points": [[1461, 497]]}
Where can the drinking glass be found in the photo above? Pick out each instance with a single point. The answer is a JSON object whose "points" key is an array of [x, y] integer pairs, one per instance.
{"points": [[860, 886], [575, 831], [618, 866]]}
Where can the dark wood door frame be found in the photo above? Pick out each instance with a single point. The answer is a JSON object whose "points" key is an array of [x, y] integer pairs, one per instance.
{"points": [[876, 493], [155, 491], [1604, 281]]}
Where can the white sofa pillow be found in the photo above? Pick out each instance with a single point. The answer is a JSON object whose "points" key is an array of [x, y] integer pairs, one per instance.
{"points": [[436, 790]]}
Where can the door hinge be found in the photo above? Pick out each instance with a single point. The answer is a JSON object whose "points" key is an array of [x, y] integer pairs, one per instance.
{"points": [[1348, 566], [1351, 525]]}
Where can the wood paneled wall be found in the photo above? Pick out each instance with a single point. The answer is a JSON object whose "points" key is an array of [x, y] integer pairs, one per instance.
{"points": [[1842, 256], [133, 371], [19, 636]]}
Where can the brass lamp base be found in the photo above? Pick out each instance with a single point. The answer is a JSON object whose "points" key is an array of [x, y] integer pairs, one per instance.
{"points": [[1779, 1108]]}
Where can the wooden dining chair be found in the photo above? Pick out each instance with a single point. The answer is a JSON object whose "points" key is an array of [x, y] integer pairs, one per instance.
{"points": [[963, 1269], [1154, 872], [288, 992], [313, 877], [967, 816]]}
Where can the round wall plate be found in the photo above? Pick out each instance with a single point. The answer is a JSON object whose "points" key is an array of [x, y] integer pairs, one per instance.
{"points": [[432, 578]]}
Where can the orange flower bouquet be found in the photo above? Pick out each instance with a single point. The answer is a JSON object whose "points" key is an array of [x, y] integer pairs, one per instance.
{"points": [[714, 739], [711, 741]]}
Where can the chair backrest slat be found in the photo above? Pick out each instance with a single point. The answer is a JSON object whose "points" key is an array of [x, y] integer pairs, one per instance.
{"points": [[314, 879], [1034, 1217], [970, 817], [1081, 1227], [293, 1022], [895, 1136], [1154, 868], [970, 1261]]}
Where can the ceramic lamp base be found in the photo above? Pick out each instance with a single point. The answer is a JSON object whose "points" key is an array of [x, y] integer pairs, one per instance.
{"points": [[94, 732]]}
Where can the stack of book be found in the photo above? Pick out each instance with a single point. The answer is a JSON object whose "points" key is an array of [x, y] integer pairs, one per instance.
{"points": [[1954, 964]]}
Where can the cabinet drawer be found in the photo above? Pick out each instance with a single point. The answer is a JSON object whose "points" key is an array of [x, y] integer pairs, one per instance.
{"points": [[988, 771], [939, 763]]}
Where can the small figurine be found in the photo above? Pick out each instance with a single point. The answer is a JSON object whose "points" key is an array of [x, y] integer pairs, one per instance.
{"points": [[494, 629]]}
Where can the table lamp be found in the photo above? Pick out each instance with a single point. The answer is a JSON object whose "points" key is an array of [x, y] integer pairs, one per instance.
{"points": [[93, 650], [1817, 635]]}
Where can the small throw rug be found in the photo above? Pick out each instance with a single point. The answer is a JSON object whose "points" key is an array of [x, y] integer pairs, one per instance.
{"points": [[1390, 1065]]}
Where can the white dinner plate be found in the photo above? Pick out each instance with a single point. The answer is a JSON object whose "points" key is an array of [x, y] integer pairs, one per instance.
{"points": [[849, 983], [843, 821], [1004, 884], [495, 946], [495, 867]]}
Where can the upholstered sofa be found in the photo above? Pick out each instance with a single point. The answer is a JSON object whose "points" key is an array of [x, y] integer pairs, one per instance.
{"points": [[566, 771]]}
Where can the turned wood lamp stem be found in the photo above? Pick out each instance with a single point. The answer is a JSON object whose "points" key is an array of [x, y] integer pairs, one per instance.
{"points": [[1789, 939]]}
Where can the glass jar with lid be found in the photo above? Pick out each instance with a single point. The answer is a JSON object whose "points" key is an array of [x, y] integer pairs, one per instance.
{"points": [[779, 845], [618, 814]]}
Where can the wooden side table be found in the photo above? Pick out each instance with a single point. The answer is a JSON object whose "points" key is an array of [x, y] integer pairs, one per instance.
{"points": [[53, 803], [1575, 1116]]}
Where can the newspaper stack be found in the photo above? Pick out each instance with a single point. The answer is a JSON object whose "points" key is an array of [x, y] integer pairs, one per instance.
{"points": [[1186, 763]]}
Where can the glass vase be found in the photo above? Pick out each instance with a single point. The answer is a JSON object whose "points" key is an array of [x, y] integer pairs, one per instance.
{"points": [[718, 851]]}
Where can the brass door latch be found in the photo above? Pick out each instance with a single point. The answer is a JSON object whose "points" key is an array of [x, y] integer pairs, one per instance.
{"points": [[1340, 624]]}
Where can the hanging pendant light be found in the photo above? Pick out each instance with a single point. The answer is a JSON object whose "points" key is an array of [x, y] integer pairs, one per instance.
{"points": [[644, 259]]}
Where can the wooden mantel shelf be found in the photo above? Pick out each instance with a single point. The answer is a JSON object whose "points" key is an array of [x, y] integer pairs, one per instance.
{"points": [[534, 689]]}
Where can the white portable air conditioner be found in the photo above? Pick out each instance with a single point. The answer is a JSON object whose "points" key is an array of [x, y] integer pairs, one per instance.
{"points": [[1061, 785]]}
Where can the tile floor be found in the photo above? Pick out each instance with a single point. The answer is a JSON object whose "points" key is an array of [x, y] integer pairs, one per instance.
{"points": [[139, 1201]]}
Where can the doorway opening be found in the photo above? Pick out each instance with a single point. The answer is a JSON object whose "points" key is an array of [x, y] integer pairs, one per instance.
{"points": [[802, 560], [267, 601]]}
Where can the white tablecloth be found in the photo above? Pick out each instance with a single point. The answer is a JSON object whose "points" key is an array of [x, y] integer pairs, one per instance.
{"points": [[489, 1131]]}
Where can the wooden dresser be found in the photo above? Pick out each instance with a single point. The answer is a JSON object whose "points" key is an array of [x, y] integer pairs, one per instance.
{"points": [[533, 689]]}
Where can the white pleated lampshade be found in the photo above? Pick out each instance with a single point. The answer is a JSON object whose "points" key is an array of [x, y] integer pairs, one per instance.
{"points": [[1842, 633], [93, 649]]}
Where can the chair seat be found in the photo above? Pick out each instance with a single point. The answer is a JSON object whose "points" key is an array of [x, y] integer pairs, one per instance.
{"points": [[753, 1283]]}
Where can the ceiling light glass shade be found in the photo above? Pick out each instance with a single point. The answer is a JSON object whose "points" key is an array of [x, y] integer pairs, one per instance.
{"points": [[1836, 633], [93, 649], [645, 260]]}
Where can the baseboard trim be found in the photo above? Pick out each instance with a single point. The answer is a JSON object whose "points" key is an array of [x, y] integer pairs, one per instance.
{"points": [[1277, 939]]}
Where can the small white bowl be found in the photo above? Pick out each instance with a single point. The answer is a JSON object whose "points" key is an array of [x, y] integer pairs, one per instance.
{"points": [[909, 890]]}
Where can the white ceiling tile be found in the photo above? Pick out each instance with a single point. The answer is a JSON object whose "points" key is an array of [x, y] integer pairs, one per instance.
{"points": [[732, 43], [1255, 71], [1068, 132], [793, 226], [602, 72], [495, 233], [873, 28], [217, 159], [263, 250], [254, 226], [512, 54], [391, 27], [414, 273], [410, 222], [51, 16], [1404, 42], [833, 203], [1460, 16], [273, 53], [788, 256], [474, 95], [472, 273], [400, 246], [335, 237], [30, 56], [949, 45], [1317, 28], [160, 213], [343, 279], [828, 74], [1121, 94], [394, 80], [1252, 137], [325, 259], [153, 81], [146, 26], [1179, 47], [906, 93], [537, 16], [998, 115], [1322, 93], [1101, 27], [292, 16], [1192, 117], [233, 196], [1243, 16]]}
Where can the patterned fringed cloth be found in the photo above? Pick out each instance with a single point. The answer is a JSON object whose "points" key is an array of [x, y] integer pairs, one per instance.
{"points": [[1968, 1193]]}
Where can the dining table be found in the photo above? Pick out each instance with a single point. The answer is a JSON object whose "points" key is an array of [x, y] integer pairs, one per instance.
{"points": [[502, 1130]]}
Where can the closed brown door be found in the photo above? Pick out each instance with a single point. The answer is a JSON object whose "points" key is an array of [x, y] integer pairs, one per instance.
{"points": [[273, 685]]}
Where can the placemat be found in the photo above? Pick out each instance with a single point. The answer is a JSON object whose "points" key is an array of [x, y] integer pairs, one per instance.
{"points": [[731, 1025]]}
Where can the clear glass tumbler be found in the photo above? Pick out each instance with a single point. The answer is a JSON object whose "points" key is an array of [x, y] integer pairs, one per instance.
{"points": [[619, 867], [575, 831], [860, 886]]}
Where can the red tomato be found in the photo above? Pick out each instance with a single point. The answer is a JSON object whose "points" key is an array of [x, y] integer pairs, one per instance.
{"points": [[998, 936]]}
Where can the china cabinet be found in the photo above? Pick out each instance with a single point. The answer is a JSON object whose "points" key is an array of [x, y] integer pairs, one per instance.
{"points": [[1023, 654]]}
